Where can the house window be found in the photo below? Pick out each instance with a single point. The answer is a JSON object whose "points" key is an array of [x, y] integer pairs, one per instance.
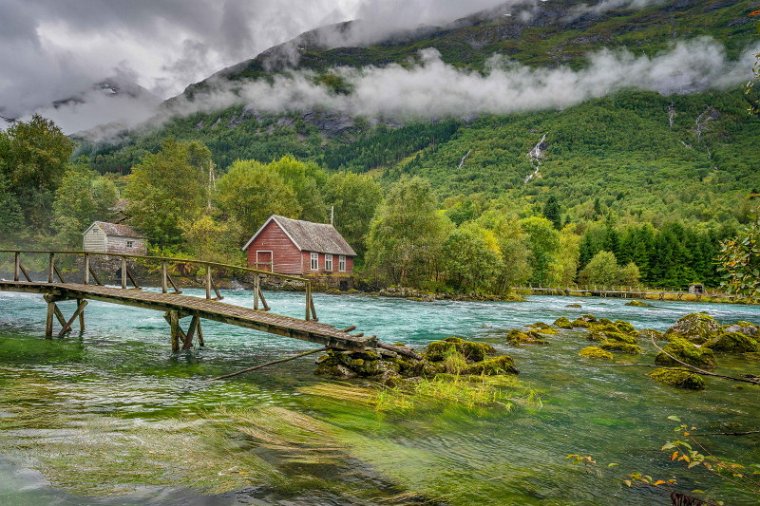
{"points": [[129, 244], [342, 263], [328, 262], [315, 261]]}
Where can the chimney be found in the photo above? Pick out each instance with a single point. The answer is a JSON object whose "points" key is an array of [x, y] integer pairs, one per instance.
{"points": [[332, 215]]}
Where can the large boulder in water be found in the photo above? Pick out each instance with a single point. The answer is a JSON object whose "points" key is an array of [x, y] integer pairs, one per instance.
{"points": [[678, 377], [695, 327], [733, 342], [687, 352], [746, 328]]}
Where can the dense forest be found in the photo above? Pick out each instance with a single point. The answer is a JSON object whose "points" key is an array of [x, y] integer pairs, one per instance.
{"points": [[404, 235]]}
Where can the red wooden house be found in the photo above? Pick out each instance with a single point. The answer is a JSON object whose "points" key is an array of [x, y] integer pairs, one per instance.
{"points": [[300, 247]]}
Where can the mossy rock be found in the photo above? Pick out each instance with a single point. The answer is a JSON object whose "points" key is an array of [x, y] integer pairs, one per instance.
{"points": [[438, 351], [754, 356], [574, 305], [733, 342], [578, 323], [542, 328], [618, 337], [678, 377], [563, 323], [503, 364], [517, 337], [626, 327], [687, 352], [638, 303], [651, 333], [595, 352], [621, 347], [746, 328], [696, 327]]}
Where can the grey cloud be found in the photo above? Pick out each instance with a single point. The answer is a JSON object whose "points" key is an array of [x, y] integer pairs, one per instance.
{"points": [[434, 89]]}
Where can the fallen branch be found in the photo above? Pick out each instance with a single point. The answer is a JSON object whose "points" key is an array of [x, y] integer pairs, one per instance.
{"points": [[401, 350], [256, 367], [702, 371], [745, 433]]}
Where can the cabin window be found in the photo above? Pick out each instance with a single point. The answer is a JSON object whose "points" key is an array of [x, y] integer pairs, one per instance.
{"points": [[342, 263], [315, 261], [129, 244], [328, 262]]}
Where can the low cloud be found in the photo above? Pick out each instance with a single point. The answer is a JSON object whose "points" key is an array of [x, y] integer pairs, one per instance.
{"points": [[433, 89]]}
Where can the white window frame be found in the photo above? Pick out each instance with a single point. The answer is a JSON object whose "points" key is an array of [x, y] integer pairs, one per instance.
{"points": [[328, 262], [314, 264], [130, 244], [342, 263], [271, 259]]}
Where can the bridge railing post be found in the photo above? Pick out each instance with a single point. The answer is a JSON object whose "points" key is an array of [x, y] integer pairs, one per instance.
{"points": [[124, 273], [86, 269], [164, 285], [208, 281], [16, 266], [51, 267], [308, 300], [256, 290]]}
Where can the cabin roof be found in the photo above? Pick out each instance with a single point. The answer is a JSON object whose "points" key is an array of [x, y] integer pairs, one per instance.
{"points": [[116, 230], [309, 236]]}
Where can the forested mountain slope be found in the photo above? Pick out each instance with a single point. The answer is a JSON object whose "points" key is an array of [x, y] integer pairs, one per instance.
{"points": [[647, 156]]}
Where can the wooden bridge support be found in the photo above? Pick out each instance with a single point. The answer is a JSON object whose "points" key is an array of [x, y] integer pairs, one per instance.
{"points": [[179, 338], [54, 311]]}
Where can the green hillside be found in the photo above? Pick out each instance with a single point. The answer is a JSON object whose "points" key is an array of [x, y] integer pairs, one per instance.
{"points": [[619, 150]]}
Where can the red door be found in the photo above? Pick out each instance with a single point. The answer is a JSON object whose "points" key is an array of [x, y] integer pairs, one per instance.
{"points": [[265, 261]]}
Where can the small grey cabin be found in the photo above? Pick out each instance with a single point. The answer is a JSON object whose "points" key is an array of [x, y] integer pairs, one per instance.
{"points": [[102, 237]]}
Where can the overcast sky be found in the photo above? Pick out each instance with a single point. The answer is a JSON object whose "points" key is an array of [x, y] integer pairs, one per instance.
{"points": [[51, 49], [56, 49]]}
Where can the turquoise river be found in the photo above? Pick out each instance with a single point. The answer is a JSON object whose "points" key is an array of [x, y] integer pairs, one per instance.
{"points": [[112, 417]]}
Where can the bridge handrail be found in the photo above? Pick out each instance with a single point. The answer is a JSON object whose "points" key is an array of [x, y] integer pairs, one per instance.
{"points": [[160, 259], [258, 295]]}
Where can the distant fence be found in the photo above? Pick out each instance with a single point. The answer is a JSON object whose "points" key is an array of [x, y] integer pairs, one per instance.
{"points": [[636, 293]]}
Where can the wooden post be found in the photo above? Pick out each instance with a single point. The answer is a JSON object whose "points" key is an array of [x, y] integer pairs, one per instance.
{"points": [[51, 266], [256, 289], [308, 301], [208, 281], [201, 342], [188, 341], [164, 286], [86, 270], [49, 320], [16, 266], [124, 273], [313, 309], [175, 331], [79, 313], [81, 316]]}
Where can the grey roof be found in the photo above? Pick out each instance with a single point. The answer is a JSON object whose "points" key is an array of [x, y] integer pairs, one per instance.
{"points": [[310, 236], [118, 230]]}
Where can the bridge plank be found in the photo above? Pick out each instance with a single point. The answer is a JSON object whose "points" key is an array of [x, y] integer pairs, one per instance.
{"points": [[209, 309]]}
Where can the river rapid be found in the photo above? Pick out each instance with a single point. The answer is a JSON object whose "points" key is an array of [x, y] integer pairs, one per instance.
{"points": [[113, 418]]}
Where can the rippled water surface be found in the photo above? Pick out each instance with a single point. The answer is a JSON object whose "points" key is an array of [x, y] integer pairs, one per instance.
{"points": [[113, 418]]}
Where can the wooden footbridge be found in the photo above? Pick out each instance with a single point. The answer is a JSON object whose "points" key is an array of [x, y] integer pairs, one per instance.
{"points": [[80, 281]]}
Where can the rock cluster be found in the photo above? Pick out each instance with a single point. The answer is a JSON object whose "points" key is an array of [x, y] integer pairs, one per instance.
{"points": [[452, 355]]}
